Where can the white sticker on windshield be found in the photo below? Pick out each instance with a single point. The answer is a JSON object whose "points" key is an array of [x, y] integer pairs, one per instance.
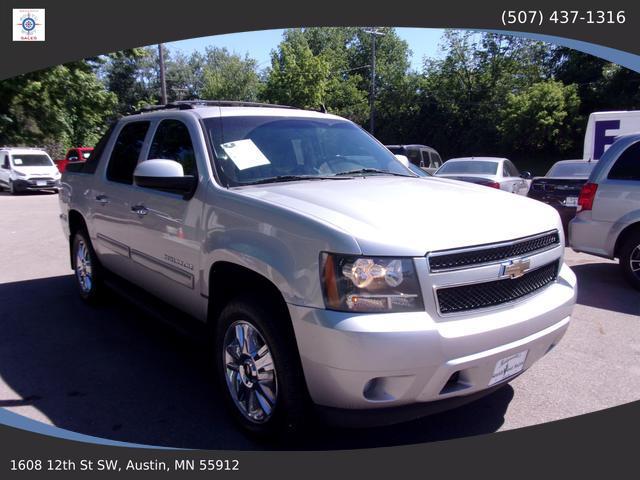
{"points": [[17, 161], [245, 154]]}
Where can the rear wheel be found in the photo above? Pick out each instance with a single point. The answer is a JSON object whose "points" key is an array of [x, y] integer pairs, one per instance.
{"points": [[87, 269], [259, 367], [630, 259]]}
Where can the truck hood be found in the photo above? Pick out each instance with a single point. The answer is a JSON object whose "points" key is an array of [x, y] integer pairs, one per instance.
{"points": [[411, 216]]}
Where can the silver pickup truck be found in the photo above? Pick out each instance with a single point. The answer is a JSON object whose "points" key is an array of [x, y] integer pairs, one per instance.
{"points": [[328, 274]]}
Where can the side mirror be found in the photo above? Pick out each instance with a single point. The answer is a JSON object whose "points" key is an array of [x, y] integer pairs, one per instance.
{"points": [[5, 166], [166, 175], [526, 175]]}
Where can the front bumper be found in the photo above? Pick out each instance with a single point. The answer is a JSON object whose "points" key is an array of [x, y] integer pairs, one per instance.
{"points": [[26, 184], [384, 361]]}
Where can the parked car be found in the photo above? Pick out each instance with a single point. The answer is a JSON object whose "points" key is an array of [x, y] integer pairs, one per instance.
{"points": [[561, 186], [495, 172], [302, 243], [25, 169], [608, 220], [421, 156], [79, 154]]}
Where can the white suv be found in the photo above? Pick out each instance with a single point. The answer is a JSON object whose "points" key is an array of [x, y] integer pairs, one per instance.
{"points": [[23, 169], [608, 219]]}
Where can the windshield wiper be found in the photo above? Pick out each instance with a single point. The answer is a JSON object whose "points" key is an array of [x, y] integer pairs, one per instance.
{"points": [[291, 178], [372, 170]]}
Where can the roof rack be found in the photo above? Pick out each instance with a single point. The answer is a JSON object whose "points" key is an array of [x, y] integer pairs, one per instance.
{"points": [[191, 104]]}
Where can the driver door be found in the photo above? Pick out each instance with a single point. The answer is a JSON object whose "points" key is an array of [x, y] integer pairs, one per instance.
{"points": [[166, 238]]}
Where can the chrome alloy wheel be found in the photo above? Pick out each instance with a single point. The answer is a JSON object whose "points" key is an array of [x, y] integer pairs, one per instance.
{"points": [[634, 260], [250, 372], [83, 267]]}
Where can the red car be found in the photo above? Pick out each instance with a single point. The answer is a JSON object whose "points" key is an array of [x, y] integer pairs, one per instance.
{"points": [[79, 154]]}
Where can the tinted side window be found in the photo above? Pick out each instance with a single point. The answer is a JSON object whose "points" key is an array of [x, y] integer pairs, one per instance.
{"points": [[627, 167], [413, 156], [173, 142], [436, 161], [126, 151]]}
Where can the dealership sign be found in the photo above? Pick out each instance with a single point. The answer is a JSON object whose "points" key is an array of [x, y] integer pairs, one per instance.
{"points": [[28, 24]]}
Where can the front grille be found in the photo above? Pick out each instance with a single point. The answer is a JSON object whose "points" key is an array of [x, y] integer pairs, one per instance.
{"points": [[41, 179], [492, 254], [489, 294]]}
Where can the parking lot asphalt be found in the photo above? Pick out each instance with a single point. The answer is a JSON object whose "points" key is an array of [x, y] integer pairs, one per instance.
{"points": [[112, 372]]}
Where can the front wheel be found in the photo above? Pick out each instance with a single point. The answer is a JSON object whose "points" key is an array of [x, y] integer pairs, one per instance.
{"points": [[259, 367], [12, 188], [86, 266], [630, 259]]}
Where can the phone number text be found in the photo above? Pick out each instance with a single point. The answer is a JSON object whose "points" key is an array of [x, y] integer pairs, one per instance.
{"points": [[538, 17]]}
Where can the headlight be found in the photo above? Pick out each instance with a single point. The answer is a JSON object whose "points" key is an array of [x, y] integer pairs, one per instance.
{"points": [[19, 174], [369, 284]]}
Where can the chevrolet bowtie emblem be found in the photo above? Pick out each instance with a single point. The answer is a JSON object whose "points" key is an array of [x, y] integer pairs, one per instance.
{"points": [[516, 268]]}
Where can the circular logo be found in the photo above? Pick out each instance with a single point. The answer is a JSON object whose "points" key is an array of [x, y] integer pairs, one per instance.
{"points": [[28, 24]]}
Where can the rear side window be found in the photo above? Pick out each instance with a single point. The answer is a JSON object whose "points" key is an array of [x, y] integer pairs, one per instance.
{"points": [[73, 156], [414, 156], [510, 169], [126, 151], [627, 167], [173, 142], [436, 161]]}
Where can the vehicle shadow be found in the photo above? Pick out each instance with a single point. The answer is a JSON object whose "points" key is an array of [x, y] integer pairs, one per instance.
{"points": [[33, 193], [113, 372], [601, 285]]}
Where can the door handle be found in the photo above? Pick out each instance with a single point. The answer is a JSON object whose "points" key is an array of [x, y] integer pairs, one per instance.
{"points": [[139, 209], [103, 199]]}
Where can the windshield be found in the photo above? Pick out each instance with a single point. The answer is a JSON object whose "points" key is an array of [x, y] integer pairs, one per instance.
{"points": [[578, 170], [260, 149], [469, 167], [31, 160]]}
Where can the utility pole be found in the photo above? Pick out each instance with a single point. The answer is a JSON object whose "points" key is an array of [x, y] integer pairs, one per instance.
{"points": [[163, 83], [372, 97]]}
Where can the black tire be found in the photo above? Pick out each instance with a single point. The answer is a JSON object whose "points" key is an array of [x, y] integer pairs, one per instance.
{"points": [[93, 291], [291, 404], [630, 258], [12, 188]]}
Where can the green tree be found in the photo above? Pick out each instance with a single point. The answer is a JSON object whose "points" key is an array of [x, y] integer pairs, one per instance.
{"points": [[462, 96], [227, 76], [131, 76], [540, 118], [297, 77], [57, 108]]}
